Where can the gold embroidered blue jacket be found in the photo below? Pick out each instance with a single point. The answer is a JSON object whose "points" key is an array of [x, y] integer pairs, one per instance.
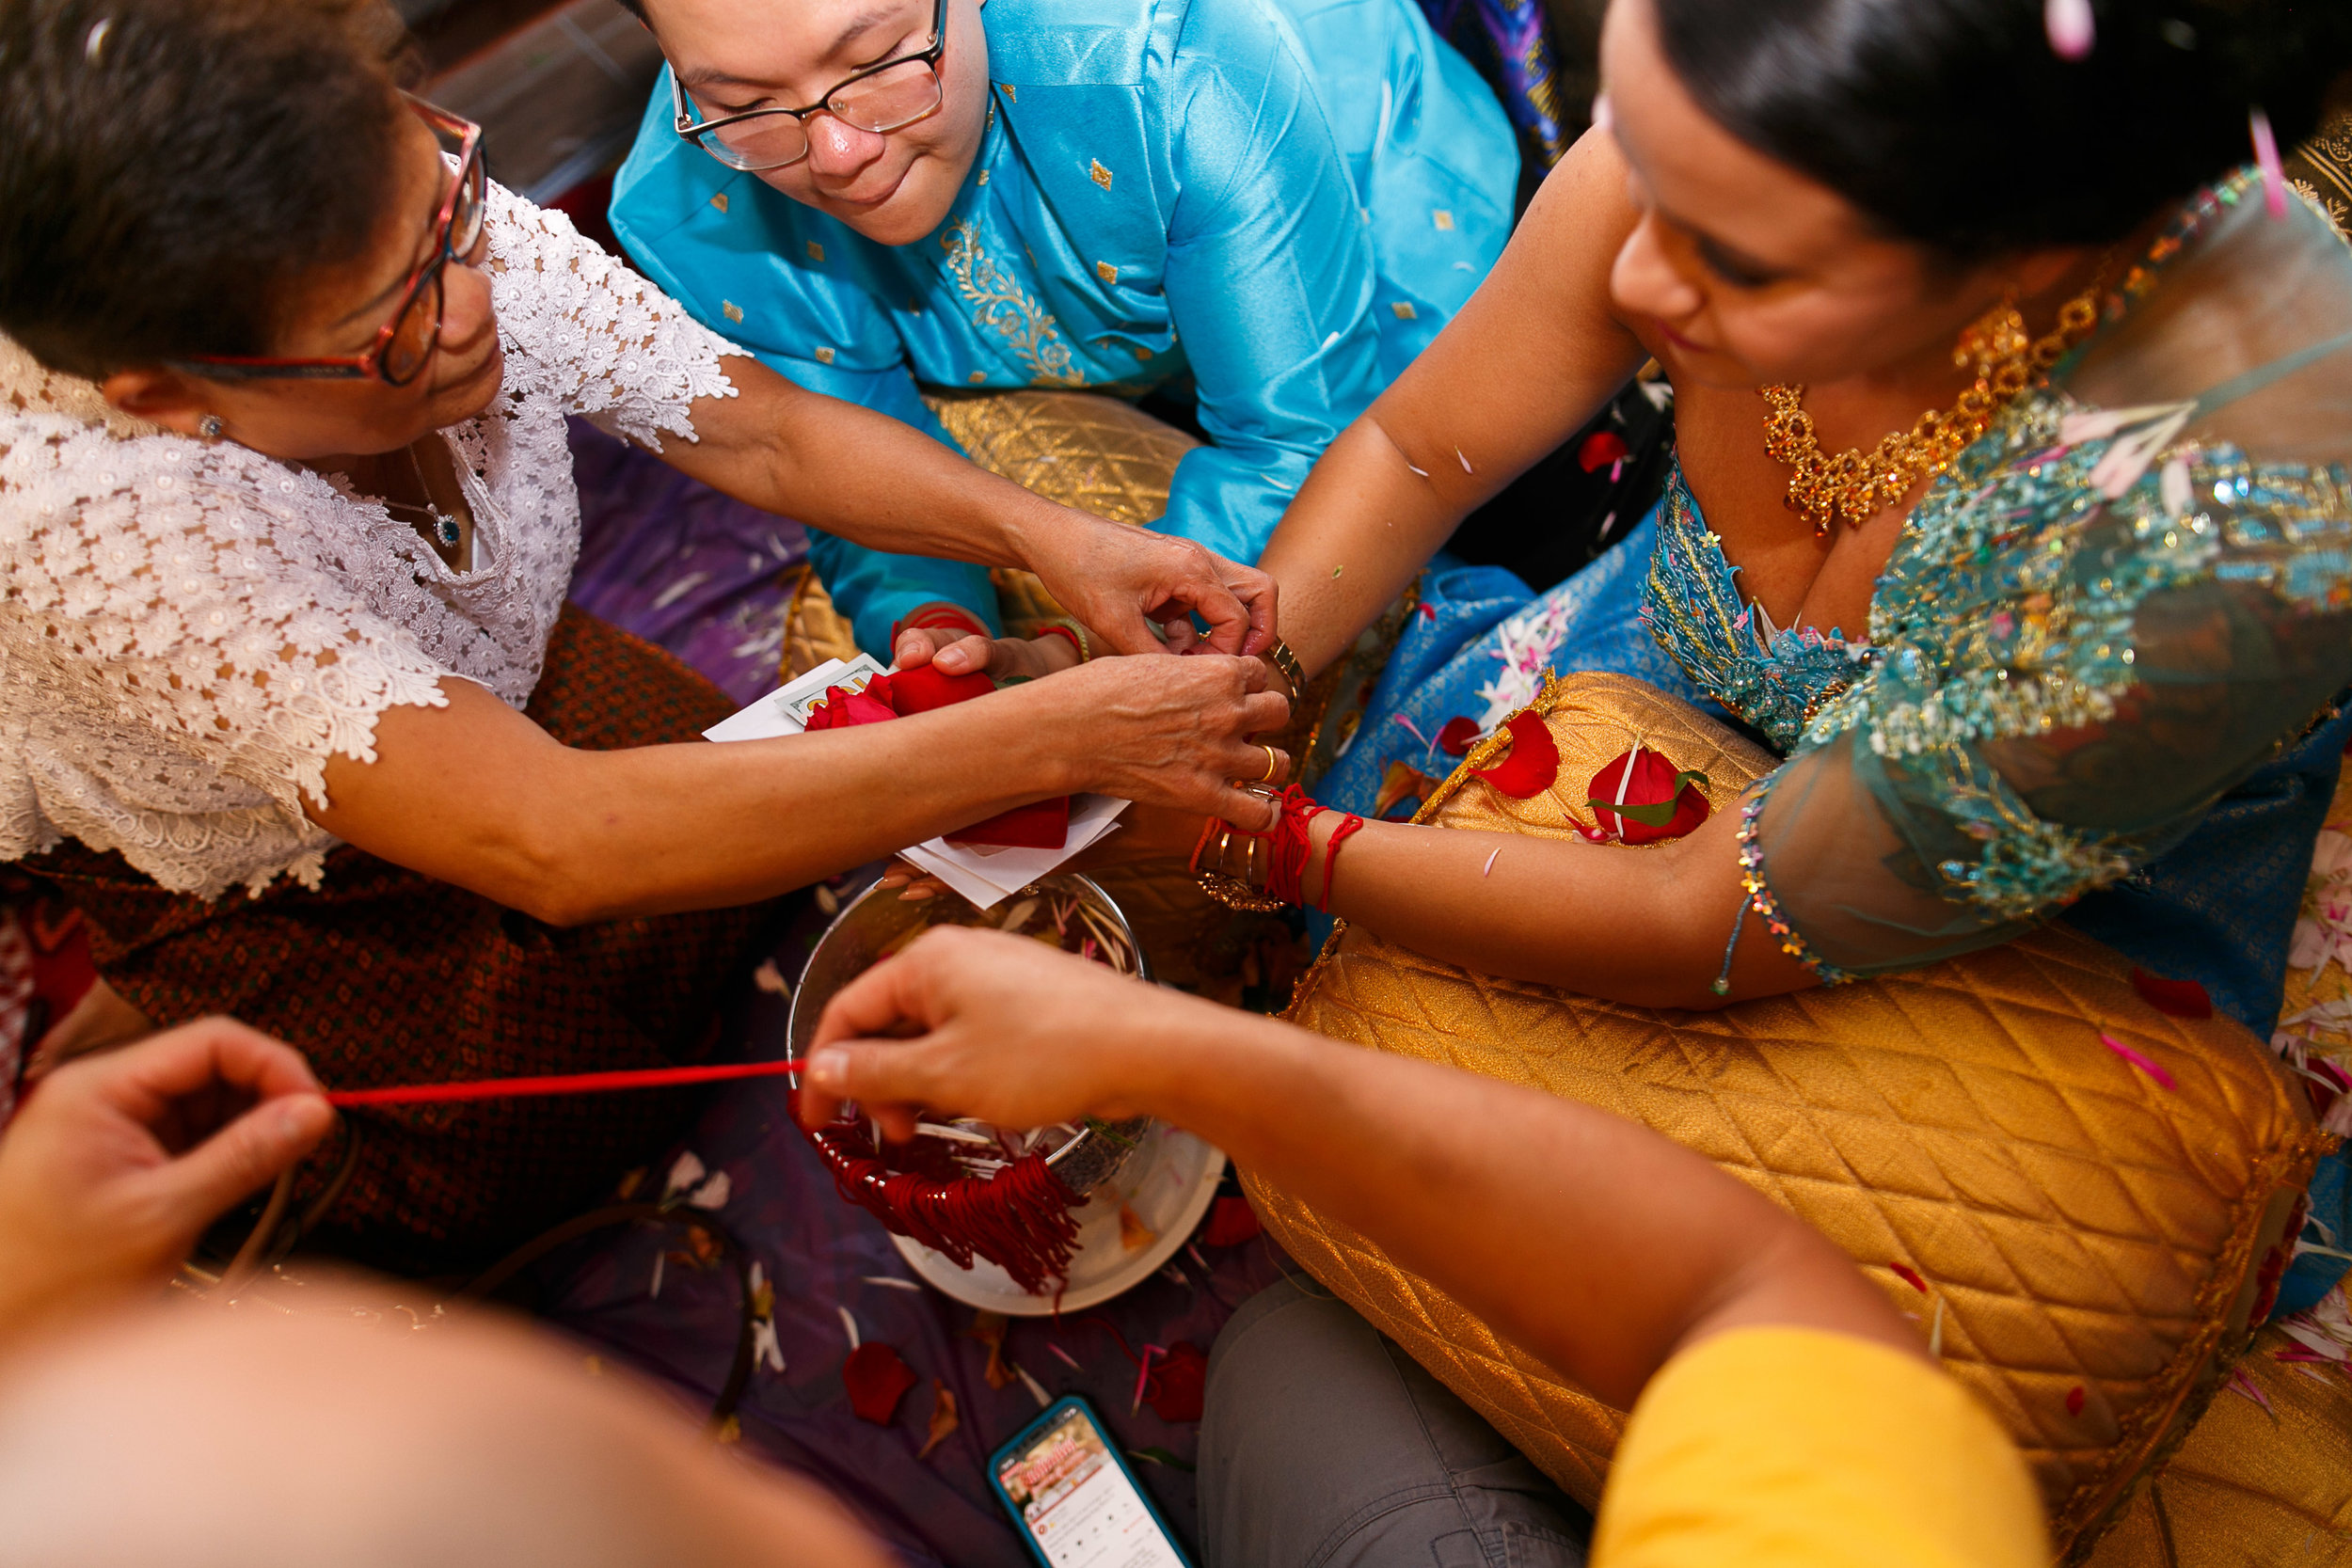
{"points": [[1278, 200]]}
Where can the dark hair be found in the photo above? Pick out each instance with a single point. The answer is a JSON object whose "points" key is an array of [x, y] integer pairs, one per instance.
{"points": [[168, 166], [1955, 124]]}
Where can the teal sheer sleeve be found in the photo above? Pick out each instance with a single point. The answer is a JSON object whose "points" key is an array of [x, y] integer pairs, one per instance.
{"points": [[2059, 692]]}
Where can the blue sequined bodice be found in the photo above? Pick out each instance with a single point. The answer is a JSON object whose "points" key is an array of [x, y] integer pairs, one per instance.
{"points": [[1774, 678]]}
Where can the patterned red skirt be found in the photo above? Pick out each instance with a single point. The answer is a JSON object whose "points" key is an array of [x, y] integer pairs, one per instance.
{"points": [[385, 975]]}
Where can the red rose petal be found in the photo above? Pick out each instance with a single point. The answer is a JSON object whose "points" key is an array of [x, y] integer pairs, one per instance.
{"points": [[1232, 1222], [1179, 1379], [1601, 449], [2074, 1397], [1655, 781], [1457, 737], [1533, 764], [839, 709], [2177, 998], [1909, 1277], [877, 1379]]}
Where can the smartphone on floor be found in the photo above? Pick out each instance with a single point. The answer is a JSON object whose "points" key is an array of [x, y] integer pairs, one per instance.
{"points": [[1073, 1498]]}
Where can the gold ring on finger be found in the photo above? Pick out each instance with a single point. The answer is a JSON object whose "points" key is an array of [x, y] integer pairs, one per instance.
{"points": [[1273, 762]]}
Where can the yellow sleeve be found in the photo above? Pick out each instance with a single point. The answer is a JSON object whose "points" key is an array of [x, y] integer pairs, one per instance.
{"points": [[1791, 1448]]}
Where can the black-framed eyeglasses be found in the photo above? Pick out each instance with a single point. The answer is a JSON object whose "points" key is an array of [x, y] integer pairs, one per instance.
{"points": [[881, 98], [403, 344]]}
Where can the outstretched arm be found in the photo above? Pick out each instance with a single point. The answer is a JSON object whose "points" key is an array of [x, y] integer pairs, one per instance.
{"points": [[1648, 927], [887, 485], [476, 794], [1542, 1215], [1533, 354]]}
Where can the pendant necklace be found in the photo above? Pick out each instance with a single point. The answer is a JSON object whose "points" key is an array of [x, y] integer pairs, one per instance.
{"points": [[444, 523], [1855, 487]]}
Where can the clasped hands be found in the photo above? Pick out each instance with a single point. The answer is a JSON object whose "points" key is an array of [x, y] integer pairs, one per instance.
{"points": [[1153, 729]]}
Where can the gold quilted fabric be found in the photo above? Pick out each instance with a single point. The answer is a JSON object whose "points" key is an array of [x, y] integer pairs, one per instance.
{"points": [[814, 631], [2254, 1487], [2321, 169], [1081, 449], [2079, 1225]]}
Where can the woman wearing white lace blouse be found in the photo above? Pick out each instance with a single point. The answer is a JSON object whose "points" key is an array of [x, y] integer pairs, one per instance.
{"points": [[286, 520]]}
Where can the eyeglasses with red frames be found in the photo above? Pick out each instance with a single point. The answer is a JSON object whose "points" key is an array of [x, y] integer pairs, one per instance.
{"points": [[887, 97], [404, 344]]}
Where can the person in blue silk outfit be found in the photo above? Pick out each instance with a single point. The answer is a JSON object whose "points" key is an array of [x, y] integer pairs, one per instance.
{"points": [[1277, 202]]}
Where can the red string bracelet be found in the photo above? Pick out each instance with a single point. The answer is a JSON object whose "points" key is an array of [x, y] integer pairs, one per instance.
{"points": [[939, 615], [1289, 848], [1077, 639]]}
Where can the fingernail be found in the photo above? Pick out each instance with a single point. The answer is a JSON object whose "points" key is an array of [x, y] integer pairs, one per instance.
{"points": [[829, 1068]]}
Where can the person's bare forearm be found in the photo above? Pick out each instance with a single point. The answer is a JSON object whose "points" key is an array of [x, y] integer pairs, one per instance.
{"points": [[571, 836], [1361, 526], [862, 475], [1646, 927], [1530, 358], [1543, 1216]]}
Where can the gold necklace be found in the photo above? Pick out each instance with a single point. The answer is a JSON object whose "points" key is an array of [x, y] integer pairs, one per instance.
{"points": [[1855, 487]]}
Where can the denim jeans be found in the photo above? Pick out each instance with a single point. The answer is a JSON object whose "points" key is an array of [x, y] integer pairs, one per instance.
{"points": [[1325, 1446]]}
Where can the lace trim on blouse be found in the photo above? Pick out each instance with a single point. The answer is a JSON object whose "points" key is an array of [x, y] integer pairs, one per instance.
{"points": [[189, 631]]}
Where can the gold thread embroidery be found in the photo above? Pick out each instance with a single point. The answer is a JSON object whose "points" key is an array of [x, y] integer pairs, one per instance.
{"points": [[1405, 312], [1099, 175], [1442, 218], [816, 251], [999, 303], [733, 311], [824, 356], [1107, 273], [720, 201]]}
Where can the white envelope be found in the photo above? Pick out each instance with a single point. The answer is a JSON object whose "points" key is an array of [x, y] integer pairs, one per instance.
{"points": [[987, 876]]}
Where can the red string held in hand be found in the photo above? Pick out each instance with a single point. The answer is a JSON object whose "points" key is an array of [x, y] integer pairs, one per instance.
{"points": [[1288, 846], [570, 1083], [1019, 1218]]}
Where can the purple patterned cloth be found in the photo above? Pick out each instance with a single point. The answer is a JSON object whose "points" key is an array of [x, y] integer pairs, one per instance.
{"points": [[681, 565], [819, 1252], [1518, 35]]}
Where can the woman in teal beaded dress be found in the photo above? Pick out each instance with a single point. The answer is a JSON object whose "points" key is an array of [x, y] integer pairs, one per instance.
{"points": [[2071, 645]]}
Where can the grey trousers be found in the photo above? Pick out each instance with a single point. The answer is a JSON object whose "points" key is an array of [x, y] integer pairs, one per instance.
{"points": [[1325, 1446]]}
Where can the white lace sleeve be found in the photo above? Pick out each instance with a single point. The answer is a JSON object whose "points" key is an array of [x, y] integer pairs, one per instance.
{"points": [[583, 328], [188, 612]]}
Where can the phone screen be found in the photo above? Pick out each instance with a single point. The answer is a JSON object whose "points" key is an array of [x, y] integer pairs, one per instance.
{"points": [[1075, 1500]]}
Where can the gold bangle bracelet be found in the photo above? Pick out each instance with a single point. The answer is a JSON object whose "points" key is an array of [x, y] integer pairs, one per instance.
{"points": [[1287, 661]]}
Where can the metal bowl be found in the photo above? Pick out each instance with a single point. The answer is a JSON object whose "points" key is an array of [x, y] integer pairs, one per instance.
{"points": [[874, 919]]}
